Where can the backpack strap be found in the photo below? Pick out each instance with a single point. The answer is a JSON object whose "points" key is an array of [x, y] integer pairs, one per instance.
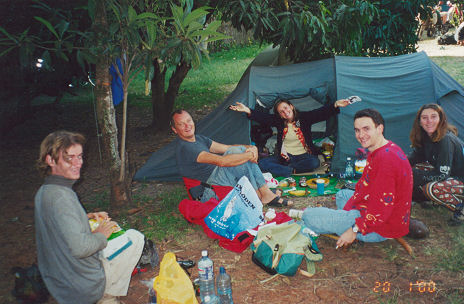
{"points": [[312, 254], [310, 268]]}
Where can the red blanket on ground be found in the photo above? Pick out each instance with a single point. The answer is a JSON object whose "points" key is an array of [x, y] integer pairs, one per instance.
{"points": [[195, 212]]}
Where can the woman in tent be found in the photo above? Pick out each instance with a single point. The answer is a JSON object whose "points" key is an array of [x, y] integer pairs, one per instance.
{"points": [[295, 152], [437, 160]]}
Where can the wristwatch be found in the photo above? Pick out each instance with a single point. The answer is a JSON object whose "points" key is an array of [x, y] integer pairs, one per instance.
{"points": [[355, 228]]}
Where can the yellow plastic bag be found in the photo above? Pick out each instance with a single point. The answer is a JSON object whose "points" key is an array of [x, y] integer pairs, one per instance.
{"points": [[172, 285]]}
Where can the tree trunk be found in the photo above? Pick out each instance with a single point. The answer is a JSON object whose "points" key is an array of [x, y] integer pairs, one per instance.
{"points": [[158, 97], [120, 193], [163, 102]]}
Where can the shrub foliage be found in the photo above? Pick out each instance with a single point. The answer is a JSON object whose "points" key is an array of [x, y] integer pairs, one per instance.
{"points": [[317, 29]]}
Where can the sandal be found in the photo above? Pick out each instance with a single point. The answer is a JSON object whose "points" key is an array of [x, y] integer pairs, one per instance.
{"points": [[275, 202], [277, 191]]}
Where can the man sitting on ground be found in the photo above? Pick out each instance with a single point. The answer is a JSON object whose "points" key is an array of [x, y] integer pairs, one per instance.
{"points": [[69, 254], [380, 206], [201, 158]]}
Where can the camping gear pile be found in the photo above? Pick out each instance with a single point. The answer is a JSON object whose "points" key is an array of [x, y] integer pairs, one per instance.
{"points": [[279, 245]]}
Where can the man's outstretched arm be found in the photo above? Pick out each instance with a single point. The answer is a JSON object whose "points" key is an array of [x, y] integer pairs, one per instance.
{"points": [[229, 160], [219, 148]]}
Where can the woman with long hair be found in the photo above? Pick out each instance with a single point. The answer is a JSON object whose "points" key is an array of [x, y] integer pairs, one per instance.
{"points": [[437, 160], [295, 151]]}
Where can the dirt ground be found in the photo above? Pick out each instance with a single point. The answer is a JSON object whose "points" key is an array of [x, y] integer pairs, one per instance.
{"points": [[364, 273]]}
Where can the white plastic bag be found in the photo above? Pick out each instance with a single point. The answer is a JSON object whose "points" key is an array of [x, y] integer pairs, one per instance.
{"points": [[240, 210], [270, 180]]}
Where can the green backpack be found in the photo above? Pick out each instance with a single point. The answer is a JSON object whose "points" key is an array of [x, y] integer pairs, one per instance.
{"points": [[281, 249]]}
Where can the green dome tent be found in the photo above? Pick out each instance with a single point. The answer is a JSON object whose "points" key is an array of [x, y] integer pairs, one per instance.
{"points": [[395, 86]]}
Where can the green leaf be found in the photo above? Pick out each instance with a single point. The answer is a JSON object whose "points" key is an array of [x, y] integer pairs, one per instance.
{"points": [[177, 17], [219, 37], [8, 35], [132, 14], [91, 9], [151, 32], [62, 55], [194, 16], [147, 15], [62, 27], [115, 10], [213, 26], [4, 52], [113, 28], [48, 25], [194, 26]]}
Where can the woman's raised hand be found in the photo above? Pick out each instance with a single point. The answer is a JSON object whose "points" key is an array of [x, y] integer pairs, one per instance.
{"points": [[240, 107], [341, 103]]}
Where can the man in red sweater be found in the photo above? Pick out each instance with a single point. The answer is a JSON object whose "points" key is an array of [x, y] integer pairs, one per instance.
{"points": [[380, 206]]}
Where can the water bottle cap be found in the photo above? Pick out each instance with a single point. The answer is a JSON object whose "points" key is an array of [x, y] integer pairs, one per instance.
{"points": [[204, 253], [222, 270]]}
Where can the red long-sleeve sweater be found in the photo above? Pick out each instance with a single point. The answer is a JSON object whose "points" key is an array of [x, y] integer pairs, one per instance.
{"points": [[383, 193]]}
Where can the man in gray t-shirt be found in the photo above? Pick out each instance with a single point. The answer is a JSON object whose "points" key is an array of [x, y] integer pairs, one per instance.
{"points": [[186, 156], [201, 158]]}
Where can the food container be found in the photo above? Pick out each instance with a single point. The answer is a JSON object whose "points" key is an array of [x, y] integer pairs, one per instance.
{"points": [[299, 192], [359, 166], [291, 182], [320, 186], [327, 155]]}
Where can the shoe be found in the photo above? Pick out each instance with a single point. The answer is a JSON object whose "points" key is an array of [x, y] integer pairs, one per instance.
{"points": [[457, 219], [277, 191], [186, 264], [417, 229], [275, 202]]}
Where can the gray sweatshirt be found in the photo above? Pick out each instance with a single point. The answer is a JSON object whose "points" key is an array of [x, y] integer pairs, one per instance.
{"points": [[67, 251]]}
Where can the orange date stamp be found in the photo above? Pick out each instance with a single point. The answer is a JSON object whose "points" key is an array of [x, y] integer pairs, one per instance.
{"points": [[417, 286]]}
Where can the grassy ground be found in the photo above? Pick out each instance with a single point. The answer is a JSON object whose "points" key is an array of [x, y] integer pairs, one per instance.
{"points": [[453, 66], [208, 84]]}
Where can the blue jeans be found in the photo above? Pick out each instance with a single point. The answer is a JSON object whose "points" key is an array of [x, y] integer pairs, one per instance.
{"points": [[229, 176], [301, 163], [326, 221]]}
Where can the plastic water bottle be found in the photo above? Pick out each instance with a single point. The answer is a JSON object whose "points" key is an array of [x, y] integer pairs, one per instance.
{"points": [[206, 276], [349, 168], [224, 287]]}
